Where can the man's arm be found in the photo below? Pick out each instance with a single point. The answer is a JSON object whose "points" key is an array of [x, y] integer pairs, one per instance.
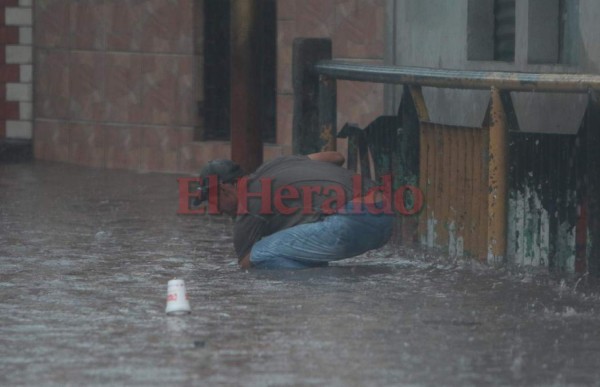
{"points": [[245, 262], [329, 157], [248, 230]]}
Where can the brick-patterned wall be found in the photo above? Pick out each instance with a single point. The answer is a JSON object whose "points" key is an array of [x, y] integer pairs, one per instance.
{"points": [[116, 81], [356, 29], [16, 69]]}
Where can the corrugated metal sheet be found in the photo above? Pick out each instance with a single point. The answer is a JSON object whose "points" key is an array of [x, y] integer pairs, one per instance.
{"points": [[454, 180]]}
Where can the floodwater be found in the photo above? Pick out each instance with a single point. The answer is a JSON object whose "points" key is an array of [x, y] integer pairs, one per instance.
{"points": [[85, 257]]}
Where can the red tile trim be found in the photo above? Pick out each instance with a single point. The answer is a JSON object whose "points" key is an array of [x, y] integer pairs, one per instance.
{"points": [[8, 34], [9, 73], [9, 110]]}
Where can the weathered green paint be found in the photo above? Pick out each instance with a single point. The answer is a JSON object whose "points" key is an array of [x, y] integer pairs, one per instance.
{"points": [[544, 196]]}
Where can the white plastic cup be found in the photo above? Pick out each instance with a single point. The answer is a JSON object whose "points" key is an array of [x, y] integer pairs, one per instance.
{"points": [[177, 299]]}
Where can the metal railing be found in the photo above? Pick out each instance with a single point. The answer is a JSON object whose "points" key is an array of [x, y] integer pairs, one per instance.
{"points": [[495, 139], [459, 79]]}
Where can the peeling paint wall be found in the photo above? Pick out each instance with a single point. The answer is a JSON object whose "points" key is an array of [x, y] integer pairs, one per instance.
{"points": [[548, 213], [544, 200]]}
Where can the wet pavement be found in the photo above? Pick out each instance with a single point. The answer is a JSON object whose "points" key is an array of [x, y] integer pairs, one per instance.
{"points": [[85, 257]]}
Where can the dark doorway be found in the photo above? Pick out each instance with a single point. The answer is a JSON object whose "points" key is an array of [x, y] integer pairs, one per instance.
{"points": [[216, 69], [217, 74]]}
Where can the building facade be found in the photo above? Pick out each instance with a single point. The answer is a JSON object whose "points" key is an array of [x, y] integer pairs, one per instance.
{"points": [[552, 214], [124, 84]]}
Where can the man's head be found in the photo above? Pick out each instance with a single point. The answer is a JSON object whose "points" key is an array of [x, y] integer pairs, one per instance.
{"points": [[220, 175]]}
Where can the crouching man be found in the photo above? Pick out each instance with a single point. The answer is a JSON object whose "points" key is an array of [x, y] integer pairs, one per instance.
{"points": [[298, 211]]}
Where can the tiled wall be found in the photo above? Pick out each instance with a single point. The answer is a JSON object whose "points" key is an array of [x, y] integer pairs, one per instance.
{"points": [[15, 69], [356, 28], [116, 81]]}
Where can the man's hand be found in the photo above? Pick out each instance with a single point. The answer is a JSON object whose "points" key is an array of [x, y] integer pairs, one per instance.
{"points": [[245, 262], [332, 157]]}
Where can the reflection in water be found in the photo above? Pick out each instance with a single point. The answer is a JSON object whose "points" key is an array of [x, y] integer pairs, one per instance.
{"points": [[86, 256]]}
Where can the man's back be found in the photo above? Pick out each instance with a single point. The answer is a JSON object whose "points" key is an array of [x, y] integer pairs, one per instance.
{"points": [[289, 191]]}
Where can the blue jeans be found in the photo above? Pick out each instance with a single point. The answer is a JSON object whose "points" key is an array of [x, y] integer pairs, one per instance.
{"points": [[335, 237]]}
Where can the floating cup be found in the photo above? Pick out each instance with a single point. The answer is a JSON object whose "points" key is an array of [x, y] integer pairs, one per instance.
{"points": [[177, 300]]}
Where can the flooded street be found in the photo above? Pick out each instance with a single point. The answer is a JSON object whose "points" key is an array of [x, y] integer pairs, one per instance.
{"points": [[85, 260]]}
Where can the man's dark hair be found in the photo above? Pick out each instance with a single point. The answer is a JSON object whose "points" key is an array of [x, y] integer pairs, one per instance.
{"points": [[225, 170]]}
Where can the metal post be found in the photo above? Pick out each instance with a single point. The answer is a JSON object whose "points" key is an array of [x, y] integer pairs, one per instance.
{"points": [[419, 101], [246, 134], [497, 180], [305, 129], [327, 112]]}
